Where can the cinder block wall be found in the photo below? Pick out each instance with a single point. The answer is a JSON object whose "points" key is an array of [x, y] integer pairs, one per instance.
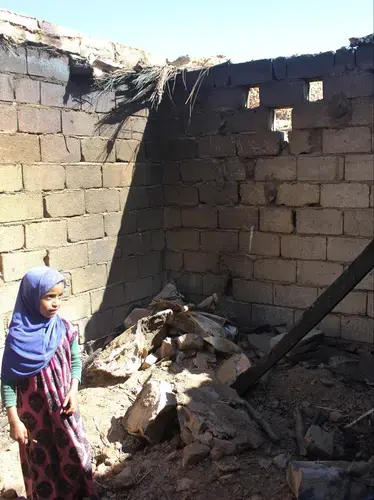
{"points": [[268, 222], [74, 194]]}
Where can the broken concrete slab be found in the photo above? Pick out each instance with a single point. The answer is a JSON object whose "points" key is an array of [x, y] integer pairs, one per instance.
{"points": [[168, 349], [319, 443], [313, 335], [150, 360], [233, 367], [152, 412], [190, 341], [194, 453], [135, 315], [224, 346], [203, 360]]}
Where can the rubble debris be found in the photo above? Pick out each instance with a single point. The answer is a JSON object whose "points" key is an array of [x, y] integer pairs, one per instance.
{"points": [[228, 464], [300, 432], [319, 443], [314, 334], [336, 416], [366, 414], [233, 367], [135, 315], [150, 360], [222, 345], [260, 421], [203, 360], [125, 479], [152, 412], [194, 453], [168, 349], [322, 480], [184, 484], [190, 341], [208, 303]]}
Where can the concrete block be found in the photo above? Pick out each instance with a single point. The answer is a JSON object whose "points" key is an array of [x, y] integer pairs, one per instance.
{"points": [[312, 115], [13, 61], [20, 206], [372, 196], [8, 296], [147, 175], [8, 118], [365, 57], [201, 216], [97, 150], [357, 328], [305, 141], [107, 298], [44, 177], [117, 174], [224, 99], [134, 198], [173, 261], [158, 239], [122, 270], [214, 284], [362, 111], [15, 265], [6, 88], [76, 307], [283, 93], [367, 283], [219, 193], [297, 194], [150, 264], [347, 140], [303, 247], [102, 200], [352, 85], [135, 244], [276, 220], [149, 219], [200, 262], [280, 68], [45, 234], [353, 303], [238, 266], [11, 238], [317, 221], [275, 270], [253, 291], [319, 168], [265, 244], [99, 103], [139, 289], [310, 66], [181, 195], [282, 168], [65, 204], [182, 240], [88, 278], [257, 193], [27, 91], [68, 257], [359, 168], [156, 196], [248, 120], [251, 73], [317, 273], [294, 296], [171, 172], [54, 94], [272, 315], [194, 170], [88, 227], [240, 217], [189, 283], [172, 217], [10, 178], [78, 123], [216, 146], [22, 148], [370, 307], [83, 176], [219, 241], [330, 325], [345, 60], [41, 62], [259, 144], [182, 149], [359, 223], [100, 251], [345, 249], [345, 195], [128, 151], [58, 148], [221, 74], [36, 120]]}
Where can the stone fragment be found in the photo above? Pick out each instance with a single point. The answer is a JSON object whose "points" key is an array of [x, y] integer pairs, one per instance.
{"points": [[336, 416], [222, 448], [224, 346], [203, 360], [125, 479], [194, 453], [185, 484], [190, 341], [228, 465], [327, 382], [233, 367], [135, 315], [281, 461], [320, 444], [167, 349], [314, 334], [152, 412], [150, 360]]}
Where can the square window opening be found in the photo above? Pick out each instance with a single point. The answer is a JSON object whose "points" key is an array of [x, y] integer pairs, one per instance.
{"points": [[253, 99], [315, 92], [282, 121]]}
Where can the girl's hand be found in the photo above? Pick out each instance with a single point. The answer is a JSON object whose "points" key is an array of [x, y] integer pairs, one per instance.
{"points": [[18, 432], [70, 404]]}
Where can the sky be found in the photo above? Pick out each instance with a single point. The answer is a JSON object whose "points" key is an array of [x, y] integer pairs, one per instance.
{"points": [[239, 29]]}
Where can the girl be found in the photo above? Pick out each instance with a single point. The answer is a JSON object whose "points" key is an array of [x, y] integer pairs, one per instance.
{"points": [[40, 374]]}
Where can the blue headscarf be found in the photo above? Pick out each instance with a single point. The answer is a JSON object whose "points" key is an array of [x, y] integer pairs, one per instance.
{"points": [[32, 339]]}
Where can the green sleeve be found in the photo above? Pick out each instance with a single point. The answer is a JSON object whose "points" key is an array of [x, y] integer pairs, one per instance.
{"points": [[9, 393], [76, 363]]}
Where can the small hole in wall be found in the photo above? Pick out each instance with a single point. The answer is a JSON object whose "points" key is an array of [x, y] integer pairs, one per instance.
{"points": [[253, 100], [283, 121], [315, 91]]}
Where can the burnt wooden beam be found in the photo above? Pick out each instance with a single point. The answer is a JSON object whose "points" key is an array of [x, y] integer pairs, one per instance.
{"points": [[330, 298]]}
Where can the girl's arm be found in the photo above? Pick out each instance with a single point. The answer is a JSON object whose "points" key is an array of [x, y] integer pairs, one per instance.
{"points": [[70, 404], [18, 431]]}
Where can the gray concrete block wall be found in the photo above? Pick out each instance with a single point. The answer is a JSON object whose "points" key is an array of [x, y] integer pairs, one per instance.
{"points": [[73, 199]]}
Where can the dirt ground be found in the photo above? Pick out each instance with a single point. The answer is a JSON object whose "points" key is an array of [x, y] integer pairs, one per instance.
{"points": [[258, 475]]}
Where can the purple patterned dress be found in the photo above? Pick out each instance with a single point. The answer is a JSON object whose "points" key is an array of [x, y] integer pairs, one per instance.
{"points": [[56, 461]]}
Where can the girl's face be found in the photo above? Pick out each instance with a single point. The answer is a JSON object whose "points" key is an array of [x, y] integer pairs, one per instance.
{"points": [[51, 301]]}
